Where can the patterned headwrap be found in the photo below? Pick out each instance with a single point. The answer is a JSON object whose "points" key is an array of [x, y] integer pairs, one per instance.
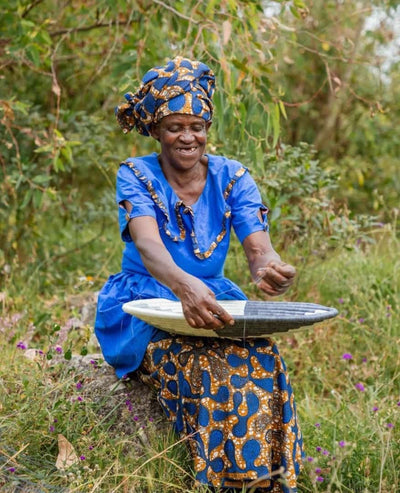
{"points": [[181, 86]]}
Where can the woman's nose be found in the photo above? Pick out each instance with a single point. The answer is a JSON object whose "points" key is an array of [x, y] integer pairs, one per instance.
{"points": [[187, 135]]}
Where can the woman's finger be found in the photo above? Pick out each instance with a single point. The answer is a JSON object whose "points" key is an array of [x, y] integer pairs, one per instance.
{"points": [[269, 274], [222, 315], [286, 270]]}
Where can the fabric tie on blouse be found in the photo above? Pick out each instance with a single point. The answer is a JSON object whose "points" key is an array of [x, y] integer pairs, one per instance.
{"points": [[181, 86]]}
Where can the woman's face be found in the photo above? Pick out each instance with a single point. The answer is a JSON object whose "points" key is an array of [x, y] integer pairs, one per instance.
{"points": [[183, 140]]}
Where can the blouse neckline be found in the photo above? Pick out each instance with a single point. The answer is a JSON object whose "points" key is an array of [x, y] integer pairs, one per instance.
{"points": [[175, 195]]}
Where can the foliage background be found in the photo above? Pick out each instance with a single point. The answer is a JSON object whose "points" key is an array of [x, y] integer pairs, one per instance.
{"points": [[307, 97]]}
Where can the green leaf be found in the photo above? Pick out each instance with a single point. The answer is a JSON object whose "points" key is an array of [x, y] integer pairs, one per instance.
{"points": [[33, 54], [37, 198], [58, 164], [283, 109], [295, 12], [27, 199], [275, 123], [66, 152], [41, 179]]}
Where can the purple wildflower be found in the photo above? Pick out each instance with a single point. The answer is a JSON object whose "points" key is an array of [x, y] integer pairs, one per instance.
{"points": [[390, 425], [341, 301], [359, 386], [135, 418], [80, 399], [51, 428], [152, 419], [342, 443], [91, 447], [318, 449], [82, 457], [21, 345], [325, 452], [79, 385], [361, 320], [347, 356], [59, 349], [310, 459], [375, 408], [320, 479], [11, 469], [128, 404], [318, 470], [317, 425], [398, 403]]}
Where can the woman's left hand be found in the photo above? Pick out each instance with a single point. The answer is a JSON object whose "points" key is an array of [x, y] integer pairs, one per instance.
{"points": [[275, 278]]}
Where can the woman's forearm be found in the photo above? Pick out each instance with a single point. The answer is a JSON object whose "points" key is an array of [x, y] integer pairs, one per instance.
{"points": [[161, 266], [259, 252]]}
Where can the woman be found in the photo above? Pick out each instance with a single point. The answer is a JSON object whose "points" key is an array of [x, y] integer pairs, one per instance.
{"points": [[176, 210]]}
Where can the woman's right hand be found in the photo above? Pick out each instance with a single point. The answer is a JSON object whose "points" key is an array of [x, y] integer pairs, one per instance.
{"points": [[200, 307]]}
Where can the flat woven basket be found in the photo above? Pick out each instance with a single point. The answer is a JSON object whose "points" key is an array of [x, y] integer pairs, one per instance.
{"points": [[252, 318]]}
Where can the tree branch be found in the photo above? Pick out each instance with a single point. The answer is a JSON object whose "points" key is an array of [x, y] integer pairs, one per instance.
{"points": [[159, 2], [98, 25], [30, 7]]}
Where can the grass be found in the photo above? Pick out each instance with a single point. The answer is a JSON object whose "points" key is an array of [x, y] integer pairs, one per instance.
{"points": [[345, 373]]}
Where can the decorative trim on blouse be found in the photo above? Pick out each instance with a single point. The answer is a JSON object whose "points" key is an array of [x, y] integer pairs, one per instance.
{"points": [[187, 210], [240, 172]]}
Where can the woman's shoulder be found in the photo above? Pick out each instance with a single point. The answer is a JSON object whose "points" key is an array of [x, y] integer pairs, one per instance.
{"points": [[226, 171], [141, 165], [219, 162]]}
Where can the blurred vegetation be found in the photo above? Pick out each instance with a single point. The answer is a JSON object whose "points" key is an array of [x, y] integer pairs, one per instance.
{"points": [[288, 71], [307, 98]]}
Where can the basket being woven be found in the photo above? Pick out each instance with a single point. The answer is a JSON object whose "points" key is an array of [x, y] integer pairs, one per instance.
{"points": [[252, 318]]}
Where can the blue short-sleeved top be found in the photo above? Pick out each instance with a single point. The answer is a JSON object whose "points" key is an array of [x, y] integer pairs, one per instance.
{"points": [[197, 236]]}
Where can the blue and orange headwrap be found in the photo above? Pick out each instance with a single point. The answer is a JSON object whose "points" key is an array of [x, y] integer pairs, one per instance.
{"points": [[181, 86]]}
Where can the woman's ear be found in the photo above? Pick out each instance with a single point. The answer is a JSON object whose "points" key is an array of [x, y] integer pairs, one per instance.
{"points": [[208, 125], [155, 132]]}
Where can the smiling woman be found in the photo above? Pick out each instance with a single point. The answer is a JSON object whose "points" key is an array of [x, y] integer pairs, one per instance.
{"points": [[176, 210], [183, 141]]}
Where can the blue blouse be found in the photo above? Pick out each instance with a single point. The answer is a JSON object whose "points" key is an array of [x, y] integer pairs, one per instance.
{"points": [[197, 237]]}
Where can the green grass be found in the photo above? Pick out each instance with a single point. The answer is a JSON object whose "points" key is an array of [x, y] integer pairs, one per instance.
{"points": [[349, 406]]}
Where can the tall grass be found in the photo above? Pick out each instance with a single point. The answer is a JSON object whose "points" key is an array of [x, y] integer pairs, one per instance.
{"points": [[345, 373]]}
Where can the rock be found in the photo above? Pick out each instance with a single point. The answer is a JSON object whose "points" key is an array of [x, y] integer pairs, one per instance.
{"points": [[130, 405]]}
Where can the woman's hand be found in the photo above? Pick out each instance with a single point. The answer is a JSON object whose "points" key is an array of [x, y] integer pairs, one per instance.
{"points": [[275, 278], [200, 307]]}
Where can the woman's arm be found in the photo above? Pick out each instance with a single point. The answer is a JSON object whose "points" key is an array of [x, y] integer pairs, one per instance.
{"points": [[200, 307], [267, 269]]}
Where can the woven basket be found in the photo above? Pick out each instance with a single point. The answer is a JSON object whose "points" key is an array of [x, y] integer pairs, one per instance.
{"points": [[252, 318]]}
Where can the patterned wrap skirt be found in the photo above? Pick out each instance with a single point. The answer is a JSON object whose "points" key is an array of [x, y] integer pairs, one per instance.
{"points": [[234, 401]]}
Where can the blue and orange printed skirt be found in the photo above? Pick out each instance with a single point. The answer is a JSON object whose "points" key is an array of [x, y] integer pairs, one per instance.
{"points": [[234, 401]]}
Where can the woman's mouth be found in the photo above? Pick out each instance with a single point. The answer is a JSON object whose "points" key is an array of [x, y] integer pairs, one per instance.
{"points": [[187, 150]]}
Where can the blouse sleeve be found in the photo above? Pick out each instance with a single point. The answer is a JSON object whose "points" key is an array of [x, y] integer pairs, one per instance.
{"points": [[249, 214], [130, 188]]}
